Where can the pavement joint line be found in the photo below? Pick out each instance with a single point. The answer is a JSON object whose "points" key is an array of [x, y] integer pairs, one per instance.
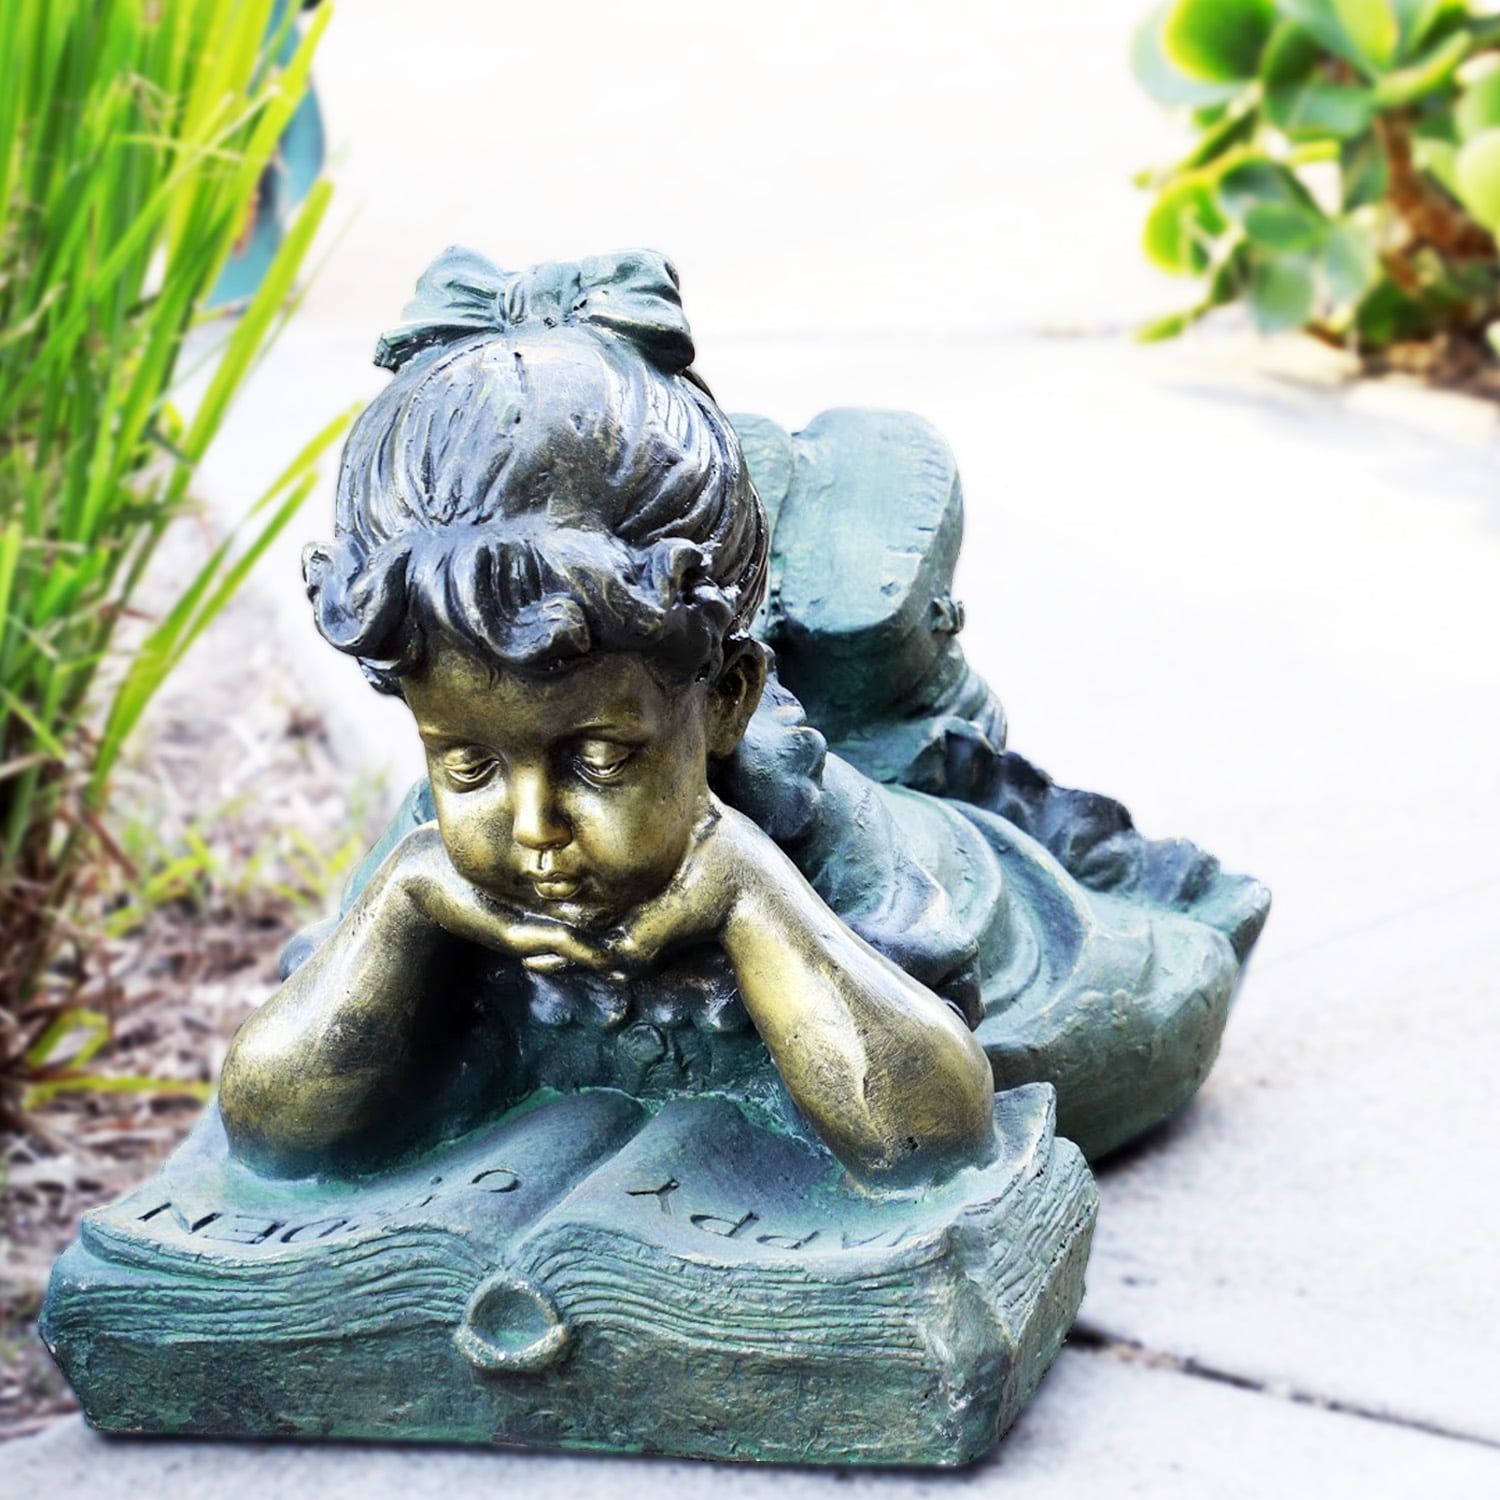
{"points": [[1087, 1338], [1374, 924]]}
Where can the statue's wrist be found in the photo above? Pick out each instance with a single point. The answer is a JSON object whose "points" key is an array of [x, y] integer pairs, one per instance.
{"points": [[400, 902]]}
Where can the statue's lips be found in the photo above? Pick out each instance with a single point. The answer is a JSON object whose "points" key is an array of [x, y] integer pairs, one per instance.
{"points": [[555, 887]]}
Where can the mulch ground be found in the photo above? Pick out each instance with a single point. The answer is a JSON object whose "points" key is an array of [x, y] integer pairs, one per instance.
{"points": [[235, 826]]}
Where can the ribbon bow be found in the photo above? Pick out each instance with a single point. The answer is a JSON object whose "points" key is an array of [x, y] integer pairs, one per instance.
{"points": [[632, 293]]}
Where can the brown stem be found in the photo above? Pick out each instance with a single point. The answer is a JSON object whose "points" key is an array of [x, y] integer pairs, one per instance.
{"points": [[1431, 216], [1326, 335]]}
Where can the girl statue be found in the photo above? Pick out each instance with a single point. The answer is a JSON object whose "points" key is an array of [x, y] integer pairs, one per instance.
{"points": [[634, 862]]}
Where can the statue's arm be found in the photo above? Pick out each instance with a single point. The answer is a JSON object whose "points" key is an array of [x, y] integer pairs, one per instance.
{"points": [[884, 1070], [308, 1069], [321, 1066], [415, 809]]}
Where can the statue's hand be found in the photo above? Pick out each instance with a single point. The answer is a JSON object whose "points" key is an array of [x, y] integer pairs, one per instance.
{"points": [[696, 903], [425, 873]]}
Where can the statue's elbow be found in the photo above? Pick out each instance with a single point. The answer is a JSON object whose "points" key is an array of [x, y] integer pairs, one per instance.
{"points": [[942, 1125], [977, 1094], [239, 1090], [962, 1132], [265, 1118]]}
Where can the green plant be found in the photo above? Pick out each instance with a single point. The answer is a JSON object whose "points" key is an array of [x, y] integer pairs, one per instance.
{"points": [[133, 137], [267, 874], [229, 856], [1346, 174]]}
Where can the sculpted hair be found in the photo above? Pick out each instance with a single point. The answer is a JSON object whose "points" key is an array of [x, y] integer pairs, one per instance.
{"points": [[545, 476]]}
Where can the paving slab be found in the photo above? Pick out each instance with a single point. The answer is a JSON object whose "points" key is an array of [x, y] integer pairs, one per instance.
{"points": [[908, 169], [1323, 1219], [1098, 1426]]}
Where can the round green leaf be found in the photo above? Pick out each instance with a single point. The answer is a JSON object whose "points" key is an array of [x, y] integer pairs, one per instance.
{"points": [[1477, 177], [1182, 225], [1318, 111], [1321, 20], [1290, 55], [1421, 18], [1219, 41], [1165, 83], [1283, 226], [1282, 290], [1372, 28], [1433, 72], [1350, 263], [1260, 180], [1478, 107]]}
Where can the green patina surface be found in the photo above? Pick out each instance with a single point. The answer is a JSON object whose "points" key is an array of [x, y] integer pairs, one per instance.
{"points": [[1106, 961]]}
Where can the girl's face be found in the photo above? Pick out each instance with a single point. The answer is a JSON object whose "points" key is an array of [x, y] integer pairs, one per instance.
{"points": [[571, 796]]}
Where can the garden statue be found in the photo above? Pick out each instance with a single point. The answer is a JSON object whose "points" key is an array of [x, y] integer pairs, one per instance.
{"points": [[680, 1073]]}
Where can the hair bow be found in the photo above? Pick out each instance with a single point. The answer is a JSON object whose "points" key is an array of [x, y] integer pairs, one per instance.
{"points": [[632, 294]]}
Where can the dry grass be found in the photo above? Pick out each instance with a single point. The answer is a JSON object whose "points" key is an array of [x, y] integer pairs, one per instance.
{"points": [[239, 828]]}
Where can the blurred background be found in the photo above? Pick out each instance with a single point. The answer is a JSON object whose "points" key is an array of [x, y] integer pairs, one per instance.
{"points": [[1244, 580]]}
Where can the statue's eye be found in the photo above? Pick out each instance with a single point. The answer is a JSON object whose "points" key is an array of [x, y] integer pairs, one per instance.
{"points": [[601, 760], [468, 765]]}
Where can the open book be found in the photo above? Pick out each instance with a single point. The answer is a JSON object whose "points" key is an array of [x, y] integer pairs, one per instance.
{"points": [[586, 1272]]}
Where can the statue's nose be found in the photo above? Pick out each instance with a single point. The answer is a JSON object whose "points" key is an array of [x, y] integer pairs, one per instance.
{"points": [[536, 822]]}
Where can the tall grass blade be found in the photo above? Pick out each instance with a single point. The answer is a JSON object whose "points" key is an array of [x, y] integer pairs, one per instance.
{"points": [[134, 137]]}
